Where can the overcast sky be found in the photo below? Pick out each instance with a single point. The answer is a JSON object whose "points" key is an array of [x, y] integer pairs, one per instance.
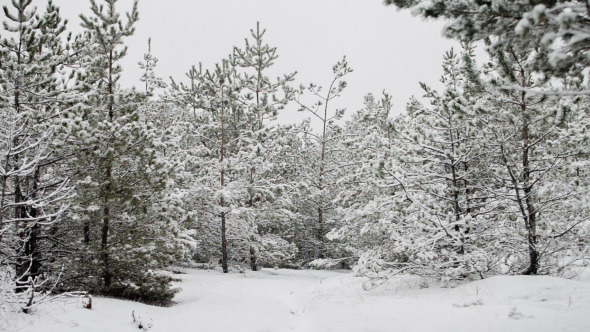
{"points": [[386, 48]]}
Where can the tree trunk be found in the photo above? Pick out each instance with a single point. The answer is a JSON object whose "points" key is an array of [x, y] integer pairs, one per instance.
{"points": [[531, 220], [530, 213], [320, 234], [320, 250], [253, 258], [19, 210], [23, 262], [107, 276], [86, 232], [31, 235], [222, 182], [223, 241], [456, 196], [253, 265], [104, 244]]}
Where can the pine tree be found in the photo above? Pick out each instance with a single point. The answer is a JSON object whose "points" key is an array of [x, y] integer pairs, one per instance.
{"points": [[364, 183], [232, 148], [149, 77], [261, 97], [34, 191], [419, 206], [318, 162], [530, 137], [441, 159], [556, 31], [128, 235], [168, 207], [217, 124], [105, 30]]}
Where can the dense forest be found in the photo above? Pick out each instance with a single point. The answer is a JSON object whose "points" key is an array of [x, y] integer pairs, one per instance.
{"points": [[105, 188]]}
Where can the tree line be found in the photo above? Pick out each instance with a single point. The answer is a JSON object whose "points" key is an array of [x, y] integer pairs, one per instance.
{"points": [[105, 188]]}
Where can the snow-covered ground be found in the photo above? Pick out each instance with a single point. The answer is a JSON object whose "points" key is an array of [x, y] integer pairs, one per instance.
{"points": [[286, 300]]}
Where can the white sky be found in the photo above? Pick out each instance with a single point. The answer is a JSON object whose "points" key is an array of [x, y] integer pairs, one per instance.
{"points": [[387, 49]]}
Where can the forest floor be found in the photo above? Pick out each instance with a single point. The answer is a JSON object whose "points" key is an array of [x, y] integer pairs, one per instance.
{"points": [[309, 301]]}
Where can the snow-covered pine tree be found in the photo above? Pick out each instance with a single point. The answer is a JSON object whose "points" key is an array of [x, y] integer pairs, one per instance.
{"points": [[227, 126], [34, 191], [184, 99], [168, 207], [365, 196], [149, 78], [280, 223], [263, 98], [533, 140], [218, 120], [318, 165], [120, 173], [557, 31], [441, 158], [420, 209]]}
